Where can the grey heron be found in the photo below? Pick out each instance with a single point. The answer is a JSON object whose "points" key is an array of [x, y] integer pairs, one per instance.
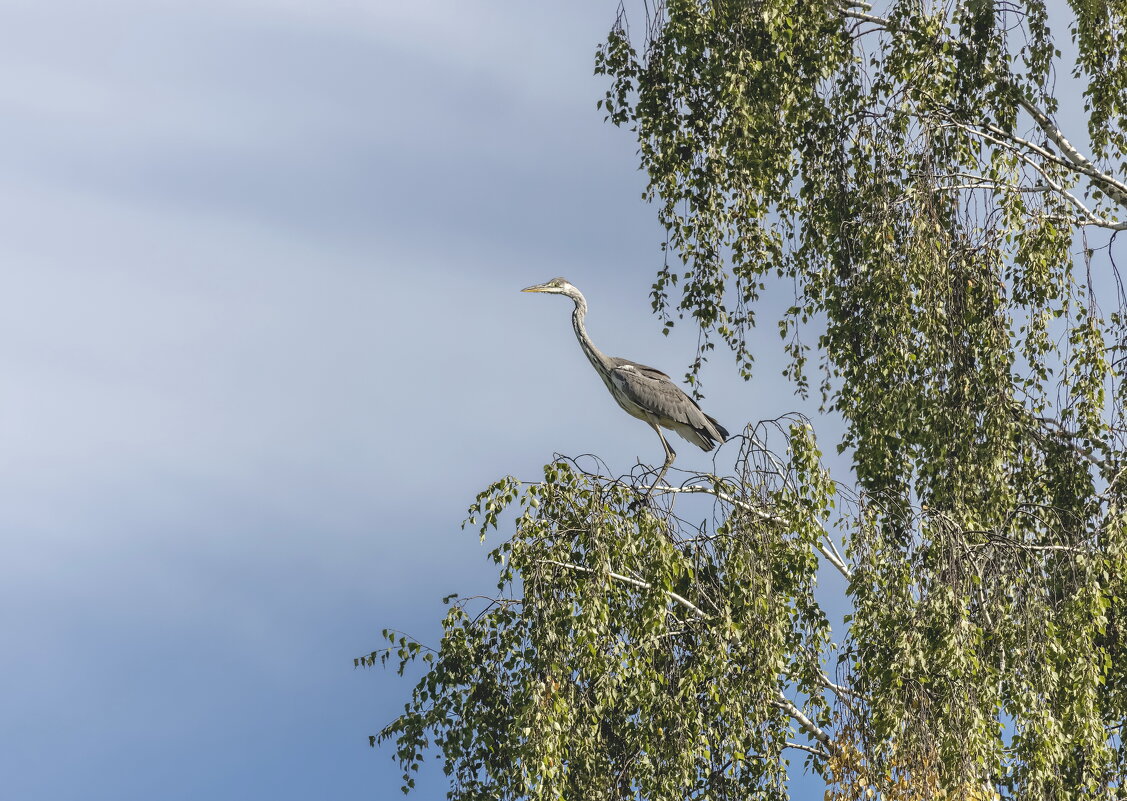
{"points": [[643, 392]]}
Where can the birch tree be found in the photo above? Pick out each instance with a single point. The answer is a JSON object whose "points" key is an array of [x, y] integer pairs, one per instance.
{"points": [[941, 189]]}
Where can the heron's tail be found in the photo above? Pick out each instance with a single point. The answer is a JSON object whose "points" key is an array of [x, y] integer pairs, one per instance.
{"points": [[723, 432], [704, 436]]}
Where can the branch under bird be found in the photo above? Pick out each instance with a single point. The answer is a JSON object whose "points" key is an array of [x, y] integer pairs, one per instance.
{"points": [[643, 392]]}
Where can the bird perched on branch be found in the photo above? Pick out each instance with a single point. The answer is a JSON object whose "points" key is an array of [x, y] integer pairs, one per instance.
{"points": [[644, 392]]}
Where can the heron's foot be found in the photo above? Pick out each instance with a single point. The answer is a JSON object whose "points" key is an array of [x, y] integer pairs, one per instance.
{"points": [[644, 495], [642, 501], [647, 500]]}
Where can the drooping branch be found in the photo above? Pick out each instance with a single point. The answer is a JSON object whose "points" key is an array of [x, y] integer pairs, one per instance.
{"points": [[809, 726]]}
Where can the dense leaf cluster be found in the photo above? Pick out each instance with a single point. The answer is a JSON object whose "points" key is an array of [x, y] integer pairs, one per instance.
{"points": [[628, 653]]}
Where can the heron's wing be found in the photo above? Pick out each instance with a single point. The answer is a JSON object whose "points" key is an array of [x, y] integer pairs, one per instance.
{"points": [[654, 392], [651, 395]]}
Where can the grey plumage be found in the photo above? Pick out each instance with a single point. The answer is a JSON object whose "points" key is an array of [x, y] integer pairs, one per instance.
{"points": [[643, 392]]}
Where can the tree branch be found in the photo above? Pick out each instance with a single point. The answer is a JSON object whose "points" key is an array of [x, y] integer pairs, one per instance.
{"points": [[850, 10], [830, 553], [843, 692], [818, 752], [1018, 146], [1114, 189], [811, 728], [696, 610]]}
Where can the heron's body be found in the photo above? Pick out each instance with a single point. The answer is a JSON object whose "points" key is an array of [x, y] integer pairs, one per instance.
{"points": [[643, 392]]}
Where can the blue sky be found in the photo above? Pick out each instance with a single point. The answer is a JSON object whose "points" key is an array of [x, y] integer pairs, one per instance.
{"points": [[263, 342]]}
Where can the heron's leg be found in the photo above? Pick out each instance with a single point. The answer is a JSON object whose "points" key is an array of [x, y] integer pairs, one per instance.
{"points": [[670, 455]]}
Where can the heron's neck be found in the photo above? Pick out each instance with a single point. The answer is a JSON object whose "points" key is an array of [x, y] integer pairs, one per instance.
{"points": [[597, 358]]}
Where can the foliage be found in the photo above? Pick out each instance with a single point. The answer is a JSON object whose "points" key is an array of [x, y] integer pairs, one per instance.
{"points": [[593, 674], [903, 171]]}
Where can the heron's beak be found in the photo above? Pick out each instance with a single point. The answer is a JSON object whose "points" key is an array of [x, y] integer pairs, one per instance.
{"points": [[537, 288]]}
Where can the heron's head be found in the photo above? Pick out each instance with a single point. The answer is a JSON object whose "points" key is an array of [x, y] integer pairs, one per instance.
{"points": [[557, 286]]}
